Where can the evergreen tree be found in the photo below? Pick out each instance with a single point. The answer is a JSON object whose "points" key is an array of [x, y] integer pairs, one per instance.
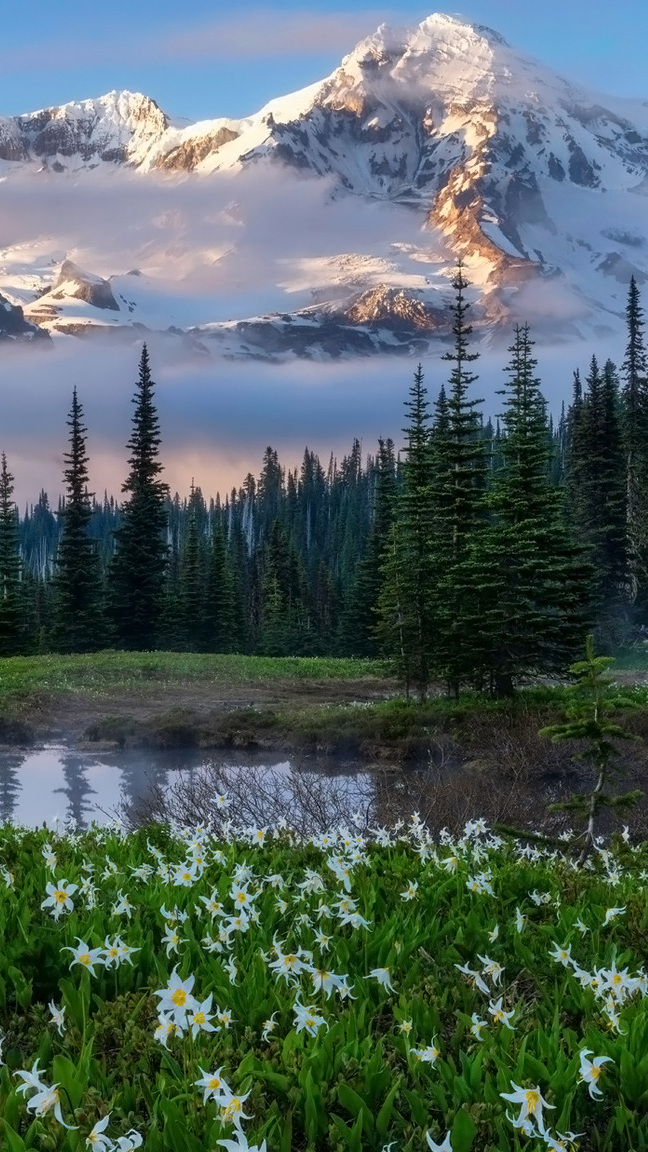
{"points": [[222, 627], [635, 430], [533, 592], [12, 638], [77, 606], [407, 599], [359, 616], [138, 568], [459, 467], [192, 578]]}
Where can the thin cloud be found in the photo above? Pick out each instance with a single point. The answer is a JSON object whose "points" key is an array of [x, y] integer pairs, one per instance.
{"points": [[258, 33]]}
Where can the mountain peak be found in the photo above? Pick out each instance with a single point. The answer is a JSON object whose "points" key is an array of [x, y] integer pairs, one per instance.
{"points": [[448, 26]]}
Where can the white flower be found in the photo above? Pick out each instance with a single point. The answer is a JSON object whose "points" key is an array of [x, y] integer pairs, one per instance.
{"points": [[47, 1100], [84, 955], [212, 1084], [231, 1107], [491, 968], [306, 1017], [561, 955], [590, 1071], [411, 892], [445, 1147], [122, 906], [176, 998], [383, 976], [166, 1028], [427, 1055], [129, 1142], [57, 1016], [474, 978], [59, 898], [171, 939], [31, 1079], [199, 1020], [241, 1144], [531, 1104], [97, 1139], [612, 914], [478, 1023], [498, 1013], [268, 1027], [493, 934]]}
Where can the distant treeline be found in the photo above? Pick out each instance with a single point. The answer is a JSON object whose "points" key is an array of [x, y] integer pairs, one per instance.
{"points": [[481, 552]]}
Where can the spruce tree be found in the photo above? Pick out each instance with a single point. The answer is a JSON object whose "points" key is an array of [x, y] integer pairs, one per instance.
{"points": [[357, 629], [192, 578], [78, 624], [407, 599], [138, 568], [12, 639], [222, 628], [635, 432], [459, 476], [532, 589]]}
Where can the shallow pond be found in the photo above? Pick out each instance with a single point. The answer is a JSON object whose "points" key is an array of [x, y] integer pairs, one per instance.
{"points": [[40, 784]]}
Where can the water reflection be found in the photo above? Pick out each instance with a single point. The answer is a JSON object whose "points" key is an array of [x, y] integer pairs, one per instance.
{"points": [[56, 781]]}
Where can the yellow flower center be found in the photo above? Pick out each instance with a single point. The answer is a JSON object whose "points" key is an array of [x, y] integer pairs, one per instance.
{"points": [[179, 997], [199, 1018], [214, 1082], [290, 960], [532, 1099], [594, 1072], [616, 979], [84, 958], [61, 895]]}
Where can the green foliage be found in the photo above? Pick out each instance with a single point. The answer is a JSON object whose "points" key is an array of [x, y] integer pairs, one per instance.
{"points": [[138, 568], [587, 723], [357, 1083], [12, 638], [78, 624]]}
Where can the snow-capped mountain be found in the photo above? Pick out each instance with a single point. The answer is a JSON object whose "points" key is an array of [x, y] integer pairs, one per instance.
{"points": [[472, 150]]}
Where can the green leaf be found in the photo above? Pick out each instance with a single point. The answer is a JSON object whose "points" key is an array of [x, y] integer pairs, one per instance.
{"points": [[464, 1131]]}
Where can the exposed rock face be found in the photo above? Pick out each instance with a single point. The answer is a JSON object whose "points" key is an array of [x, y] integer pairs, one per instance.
{"points": [[191, 152], [116, 128], [394, 308], [14, 327], [537, 186]]}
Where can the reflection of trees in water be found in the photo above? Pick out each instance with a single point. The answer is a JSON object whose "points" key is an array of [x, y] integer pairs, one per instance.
{"points": [[10, 785], [141, 772], [77, 787]]}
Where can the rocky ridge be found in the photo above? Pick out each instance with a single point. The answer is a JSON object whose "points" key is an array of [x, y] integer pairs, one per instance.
{"points": [[508, 167]]}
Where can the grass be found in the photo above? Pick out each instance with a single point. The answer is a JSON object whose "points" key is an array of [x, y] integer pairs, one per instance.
{"points": [[102, 671]]}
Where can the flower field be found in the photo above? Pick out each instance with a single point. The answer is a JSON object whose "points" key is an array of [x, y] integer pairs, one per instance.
{"points": [[182, 990]]}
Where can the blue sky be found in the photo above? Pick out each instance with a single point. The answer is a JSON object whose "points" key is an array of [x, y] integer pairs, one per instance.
{"points": [[205, 58]]}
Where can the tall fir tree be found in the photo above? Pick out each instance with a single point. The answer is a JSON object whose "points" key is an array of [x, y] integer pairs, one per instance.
{"points": [[635, 435], [358, 620], [192, 581], [459, 469], [138, 568], [533, 587], [222, 629], [407, 600], [78, 616], [12, 633]]}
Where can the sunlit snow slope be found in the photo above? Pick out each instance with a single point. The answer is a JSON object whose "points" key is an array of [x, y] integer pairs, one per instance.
{"points": [[329, 223]]}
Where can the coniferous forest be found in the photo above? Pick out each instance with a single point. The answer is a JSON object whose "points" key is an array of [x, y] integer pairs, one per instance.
{"points": [[477, 553]]}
